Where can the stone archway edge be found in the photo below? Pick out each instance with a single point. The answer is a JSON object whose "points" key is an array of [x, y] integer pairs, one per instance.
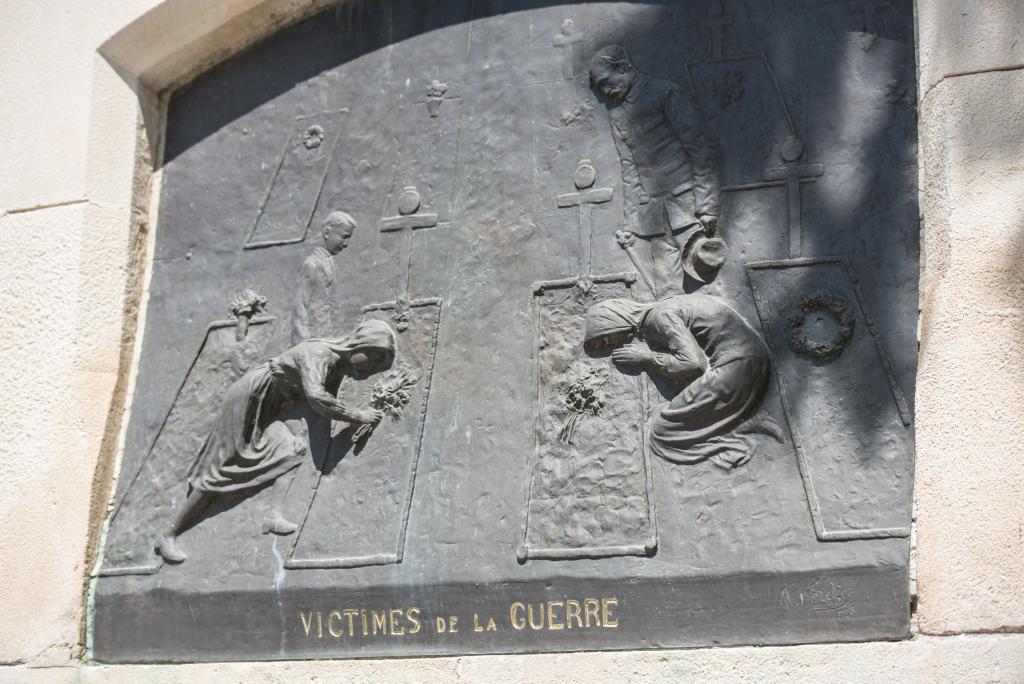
{"points": [[176, 40]]}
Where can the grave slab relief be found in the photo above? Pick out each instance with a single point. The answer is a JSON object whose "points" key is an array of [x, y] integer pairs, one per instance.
{"points": [[832, 367], [373, 468], [590, 491], [764, 158], [286, 210], [154, 493], [558, 327]]}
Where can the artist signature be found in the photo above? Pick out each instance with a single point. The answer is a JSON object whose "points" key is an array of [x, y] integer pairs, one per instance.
{"points": [[823, 595]]}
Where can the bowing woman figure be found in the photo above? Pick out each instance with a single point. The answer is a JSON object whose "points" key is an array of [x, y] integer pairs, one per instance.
{"points": [[708, 351], [252, 444]]}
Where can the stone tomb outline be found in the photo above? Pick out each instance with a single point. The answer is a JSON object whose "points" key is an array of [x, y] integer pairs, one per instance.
{"points": [[847, 482], [310, 135], [412, 424], [144, 537], [544, 459]]}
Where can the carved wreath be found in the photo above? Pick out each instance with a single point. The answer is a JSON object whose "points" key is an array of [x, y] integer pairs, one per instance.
{"points": [[313, 137], [826, 350]]}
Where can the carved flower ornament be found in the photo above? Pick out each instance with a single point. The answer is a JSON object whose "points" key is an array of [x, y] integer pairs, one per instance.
{"points": [[729, 88], [436, 89], [583, 395], [391, 396], [392, 393], [247, 303], [845, 321]]}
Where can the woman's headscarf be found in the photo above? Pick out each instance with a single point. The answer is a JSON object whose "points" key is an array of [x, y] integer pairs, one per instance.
{"points": [[613, 316], [368, 335]]}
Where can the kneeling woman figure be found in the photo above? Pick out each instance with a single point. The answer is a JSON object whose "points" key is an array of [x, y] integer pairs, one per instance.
{"points": [[251, 444], [705, 347]]}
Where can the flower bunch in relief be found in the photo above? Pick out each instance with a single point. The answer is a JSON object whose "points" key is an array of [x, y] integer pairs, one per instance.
{"points": [[247, 303], [391, 396], [583, 394], [392, 393]]}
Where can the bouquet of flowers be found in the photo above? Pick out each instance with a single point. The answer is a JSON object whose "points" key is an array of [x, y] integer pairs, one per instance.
{"points": [[246, 304], [391, 396], [582, 395]]}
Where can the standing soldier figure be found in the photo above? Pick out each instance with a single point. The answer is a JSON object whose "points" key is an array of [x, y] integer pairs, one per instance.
{"points": [[670, 169]]}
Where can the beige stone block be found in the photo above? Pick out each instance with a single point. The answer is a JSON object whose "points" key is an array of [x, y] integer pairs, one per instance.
{"points": [[964, 36], [927, 660], [113, 134], [69, 132], [50, 430], [102, 270], [970, 387], [48, 65], [46, 93]]}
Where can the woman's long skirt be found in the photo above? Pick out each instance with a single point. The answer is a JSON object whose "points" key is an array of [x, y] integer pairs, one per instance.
{"points": [[696, 424], [248, 446]]}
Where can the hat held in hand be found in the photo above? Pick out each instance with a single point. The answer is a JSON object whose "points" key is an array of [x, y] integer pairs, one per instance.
{"points": [[703, 257]]}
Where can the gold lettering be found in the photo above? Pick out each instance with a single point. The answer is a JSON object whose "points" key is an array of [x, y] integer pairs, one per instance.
{"points": [[380, 622], [453, 624], [413, 615], [518, 622], [606, 612], [491, 627], [330, 624], [476, 623], [529, 614], [551, 616], [590, 608], [572, 612], [362, 616], [319, 625], [350, 613], [440, 625], [307, 621], [396, 629]]}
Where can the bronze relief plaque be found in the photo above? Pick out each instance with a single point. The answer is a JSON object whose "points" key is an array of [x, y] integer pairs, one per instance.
{"points": [[505, 327]]}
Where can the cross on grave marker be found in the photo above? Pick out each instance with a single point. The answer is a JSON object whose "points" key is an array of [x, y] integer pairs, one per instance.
{"points": [[585, 198], [793, 173], [571, 42], [716, 21], [407, 221]]}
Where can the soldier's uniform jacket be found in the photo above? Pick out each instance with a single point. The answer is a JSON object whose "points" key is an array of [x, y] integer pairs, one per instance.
{"points": [[665, 151]]}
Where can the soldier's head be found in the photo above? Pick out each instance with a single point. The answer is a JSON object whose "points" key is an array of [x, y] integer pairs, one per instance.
{"points": [[337, 231], [612, 73]]}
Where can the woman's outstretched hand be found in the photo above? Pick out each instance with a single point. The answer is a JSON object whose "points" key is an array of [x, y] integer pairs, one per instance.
{"points": [[367, 420], [369, 416]]}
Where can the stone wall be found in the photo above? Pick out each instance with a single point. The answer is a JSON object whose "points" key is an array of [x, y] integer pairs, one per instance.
{"points": [[76, 140]]}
